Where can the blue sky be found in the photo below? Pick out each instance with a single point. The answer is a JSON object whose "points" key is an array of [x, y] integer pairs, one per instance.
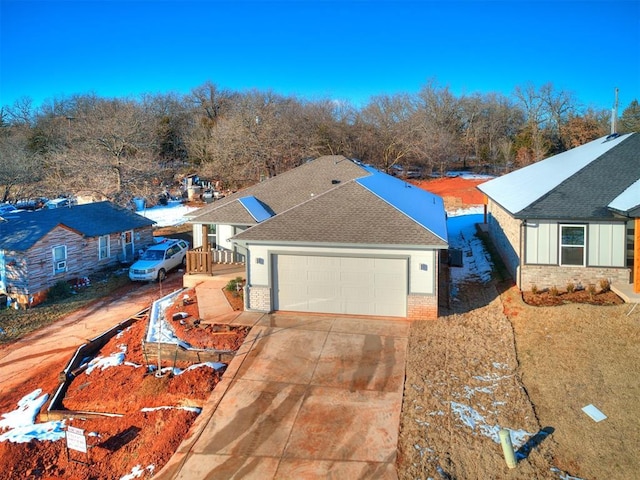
{"points": [[342, 50]]}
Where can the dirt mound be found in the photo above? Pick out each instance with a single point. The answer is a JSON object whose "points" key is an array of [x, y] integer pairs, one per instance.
{"points": [[143, 417]]}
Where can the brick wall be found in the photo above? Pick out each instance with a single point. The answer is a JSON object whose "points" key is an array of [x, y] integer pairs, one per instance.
{"points": [[504, 231], [422, 307], [546, 276], [258, 298]]}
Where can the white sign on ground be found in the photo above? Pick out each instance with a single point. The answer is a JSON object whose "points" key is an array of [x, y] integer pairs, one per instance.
{"points": [[594, 413], [76, 439]]}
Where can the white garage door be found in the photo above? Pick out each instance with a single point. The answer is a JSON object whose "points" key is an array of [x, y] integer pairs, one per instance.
{"points": [[349, 285]]}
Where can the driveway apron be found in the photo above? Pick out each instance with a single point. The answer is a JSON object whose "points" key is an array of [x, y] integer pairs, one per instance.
{"points": [[307, 396]]}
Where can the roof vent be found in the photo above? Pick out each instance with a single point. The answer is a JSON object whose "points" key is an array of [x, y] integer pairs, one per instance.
{"points": [[611, 137], [335, 182]]}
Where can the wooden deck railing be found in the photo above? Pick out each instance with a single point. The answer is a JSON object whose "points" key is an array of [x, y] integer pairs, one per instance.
{"points": [[201, 261]]}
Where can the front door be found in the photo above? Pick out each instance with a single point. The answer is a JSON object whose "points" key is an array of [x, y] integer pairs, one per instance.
{"points": [[127, 246]]}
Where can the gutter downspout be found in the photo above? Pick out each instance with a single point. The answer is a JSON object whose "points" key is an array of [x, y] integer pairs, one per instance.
{"points": [[521, 256]]}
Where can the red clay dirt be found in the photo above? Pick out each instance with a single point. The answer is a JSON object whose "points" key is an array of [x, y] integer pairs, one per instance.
{"points": [[133, 438], [457, 192]]}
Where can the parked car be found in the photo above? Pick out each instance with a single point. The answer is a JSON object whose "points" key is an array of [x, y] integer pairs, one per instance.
{"points": [[6, 209], [60, 202], [159, 259]]}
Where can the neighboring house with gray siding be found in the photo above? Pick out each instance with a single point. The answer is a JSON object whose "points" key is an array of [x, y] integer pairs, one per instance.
{"points": [[332, 236], [39, 249], [572, 218]]}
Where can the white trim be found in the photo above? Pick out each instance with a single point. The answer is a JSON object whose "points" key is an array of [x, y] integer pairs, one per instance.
{"points": [[108, 247], [59, 264]]}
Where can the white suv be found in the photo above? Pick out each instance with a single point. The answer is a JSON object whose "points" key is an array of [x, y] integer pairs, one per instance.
{"points": [[158, 259]]}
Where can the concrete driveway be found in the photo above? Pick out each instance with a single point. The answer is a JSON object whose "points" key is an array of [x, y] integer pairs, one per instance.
{"points": [[307, 396]]}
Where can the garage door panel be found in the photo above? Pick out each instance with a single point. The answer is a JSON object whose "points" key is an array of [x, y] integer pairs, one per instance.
{"points": [[322, 276], [344, 285]]}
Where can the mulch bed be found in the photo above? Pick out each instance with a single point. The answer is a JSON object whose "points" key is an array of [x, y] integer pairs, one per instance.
{"points": [[548, 299]]}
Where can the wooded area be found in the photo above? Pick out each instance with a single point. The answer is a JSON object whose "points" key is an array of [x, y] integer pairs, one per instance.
{"points": [[121, 148]]}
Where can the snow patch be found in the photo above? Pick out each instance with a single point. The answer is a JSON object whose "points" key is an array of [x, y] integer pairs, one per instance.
{"points": [[472, 418], [21, 421]]}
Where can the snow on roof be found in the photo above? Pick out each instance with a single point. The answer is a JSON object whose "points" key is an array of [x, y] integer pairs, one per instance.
{"points": [[424, 208], [522, 187], [255, 208], [627, 200]]}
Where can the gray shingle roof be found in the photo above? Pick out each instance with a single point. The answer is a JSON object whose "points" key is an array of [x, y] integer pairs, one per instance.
{"points": [[584, 194], [283, 191], [22, 230], [334, 200], [350, 214]]}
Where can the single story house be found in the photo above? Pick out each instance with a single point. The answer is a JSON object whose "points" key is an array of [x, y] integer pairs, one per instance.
{"points": [[573, 218], [332, 236], [39, 249]]}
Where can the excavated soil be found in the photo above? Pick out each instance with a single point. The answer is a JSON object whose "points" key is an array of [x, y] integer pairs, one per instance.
{"points": [[185, 320], [457, 192], [124, 436]]}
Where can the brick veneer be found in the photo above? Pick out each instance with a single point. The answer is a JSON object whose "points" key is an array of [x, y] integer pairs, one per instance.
{"points": [[422, 307], [546, 276], [258, 298]]}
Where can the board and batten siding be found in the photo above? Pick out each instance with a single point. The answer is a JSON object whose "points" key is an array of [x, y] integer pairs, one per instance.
{"points": [[605, 243], [541, 243]]}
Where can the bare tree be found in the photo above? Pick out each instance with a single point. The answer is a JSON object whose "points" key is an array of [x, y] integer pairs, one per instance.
{"points": [[438, 120], [110, 151], [390, 134], [20, 169]]}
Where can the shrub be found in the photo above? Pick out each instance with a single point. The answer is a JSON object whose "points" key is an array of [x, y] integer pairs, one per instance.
{"points": [[605, 285], [553, 291], [59, 291], [591, 289], [534, 289], [235, 286], [571, 287]]}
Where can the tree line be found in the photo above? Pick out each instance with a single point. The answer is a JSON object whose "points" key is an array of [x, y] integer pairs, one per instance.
{"points": [[121, 148]]}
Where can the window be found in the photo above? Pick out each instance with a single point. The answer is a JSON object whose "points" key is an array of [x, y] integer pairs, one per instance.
{"points": [[572, 244], [104, 247], [59, 259]]}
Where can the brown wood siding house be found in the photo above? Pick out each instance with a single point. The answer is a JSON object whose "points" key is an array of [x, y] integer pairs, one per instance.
{"points": [[39, 249]]}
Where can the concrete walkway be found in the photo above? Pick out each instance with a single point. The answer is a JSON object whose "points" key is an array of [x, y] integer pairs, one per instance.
{"points": [[52, 346], [307, 396]]}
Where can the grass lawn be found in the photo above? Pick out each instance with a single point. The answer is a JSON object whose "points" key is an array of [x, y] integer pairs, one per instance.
{"points": [[15, 324]]}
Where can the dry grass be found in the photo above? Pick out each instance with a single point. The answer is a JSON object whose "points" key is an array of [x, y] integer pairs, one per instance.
{"points": [[548, 363], [15, 324], [575, 355]]}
